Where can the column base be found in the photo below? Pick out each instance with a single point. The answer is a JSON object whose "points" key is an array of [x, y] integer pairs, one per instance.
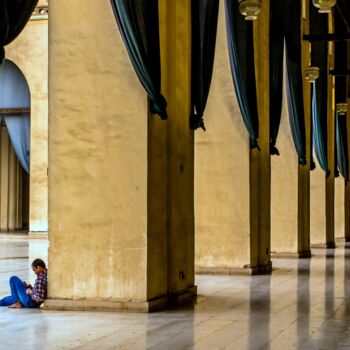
{"points": [[38, 234], [300, 255], [126, 306], [329, 245], [235, 271]]}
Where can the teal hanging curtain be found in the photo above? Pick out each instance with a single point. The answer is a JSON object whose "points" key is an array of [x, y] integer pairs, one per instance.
{"points": [[319, 56], [285, 31], [341, 94], [342, 145], [241, 52], [138, 24], [204, 26], [14, 15], [318, 141]]}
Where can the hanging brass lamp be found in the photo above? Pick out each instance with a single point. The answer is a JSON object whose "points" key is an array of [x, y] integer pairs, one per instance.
{"points": [[341, 108], [324, 6], [312, 74], [250, 9]]}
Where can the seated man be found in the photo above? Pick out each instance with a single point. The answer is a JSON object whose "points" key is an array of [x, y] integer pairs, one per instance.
{"points": [[24, 295]]}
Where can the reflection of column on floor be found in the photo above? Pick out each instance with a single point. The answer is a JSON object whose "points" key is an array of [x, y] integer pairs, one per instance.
{"points": [[303, 300], [11, 177]]}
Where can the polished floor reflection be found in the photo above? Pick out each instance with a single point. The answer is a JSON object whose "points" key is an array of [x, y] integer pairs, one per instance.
{"points": [[304, 304]]}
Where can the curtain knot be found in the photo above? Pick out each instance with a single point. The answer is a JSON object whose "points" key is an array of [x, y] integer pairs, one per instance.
{"points": [[2, 54], [254, 144], [196, 122], [302, 161], [312, 165], [159, 107], [273, 150]]}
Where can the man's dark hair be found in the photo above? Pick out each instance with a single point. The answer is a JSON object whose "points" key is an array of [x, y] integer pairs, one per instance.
{"points": [[39, 262]]}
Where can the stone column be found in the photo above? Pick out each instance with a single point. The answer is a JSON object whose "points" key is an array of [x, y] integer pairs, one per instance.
{"points": [[347, 184], [304, 250], [330, 239], [260, 164], [120, 180], [30, 52], [180, 150], [290, 202], [222, 174]]}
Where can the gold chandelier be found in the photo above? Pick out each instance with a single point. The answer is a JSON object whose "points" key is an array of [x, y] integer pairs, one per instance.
{"points": [[324, 6], [250, 9], [342, 108], [312, 74]]}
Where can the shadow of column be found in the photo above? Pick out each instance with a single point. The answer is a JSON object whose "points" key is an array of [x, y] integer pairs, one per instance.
{"points": [[259, 315], [303, 300]]}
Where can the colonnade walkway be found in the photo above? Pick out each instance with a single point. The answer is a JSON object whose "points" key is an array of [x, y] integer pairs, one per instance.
{"points": [[304, 304]]}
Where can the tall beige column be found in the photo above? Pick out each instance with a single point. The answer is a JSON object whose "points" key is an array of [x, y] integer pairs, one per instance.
{"points": [[233, 232], [180, 149], [120, 180], [30, 53], [330, 238], [347, 184], [260, 164], [290, 198], [222, 174], [304, 171]]}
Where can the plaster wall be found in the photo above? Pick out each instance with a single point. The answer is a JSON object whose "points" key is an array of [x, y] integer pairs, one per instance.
{"points": [[30, 52], [97, 157], [222, 172], [284, 190], [339, 207], [317, 205]]}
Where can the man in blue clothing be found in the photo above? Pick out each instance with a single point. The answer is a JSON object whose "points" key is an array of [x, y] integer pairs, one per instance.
{"points": [[23, 294]]}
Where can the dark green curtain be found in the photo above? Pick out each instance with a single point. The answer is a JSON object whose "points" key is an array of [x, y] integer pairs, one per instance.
{"points": [[318, 142], [138, 22], [342, 145], [341, 64], [319, 57], [285, 30], [204, 26], [241, 52], [14, 15]]}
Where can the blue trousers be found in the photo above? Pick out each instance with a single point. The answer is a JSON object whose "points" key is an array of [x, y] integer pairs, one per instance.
{"points": [[18, 293]]}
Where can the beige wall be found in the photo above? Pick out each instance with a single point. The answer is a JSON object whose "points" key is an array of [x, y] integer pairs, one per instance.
{"points": [[30, 52], [317, 205], [284, 190], [98, 158], [339, 220], [222, 172]]}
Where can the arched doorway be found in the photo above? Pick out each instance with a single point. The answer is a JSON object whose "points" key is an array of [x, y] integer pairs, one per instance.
{"points": [[14, 148]]}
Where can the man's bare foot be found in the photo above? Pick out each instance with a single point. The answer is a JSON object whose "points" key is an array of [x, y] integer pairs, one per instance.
{"points": [[17, 305]]}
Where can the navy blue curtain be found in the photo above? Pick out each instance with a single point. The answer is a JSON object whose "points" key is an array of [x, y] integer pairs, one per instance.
{"points": [[204, 26], [318, 141], [14, 93], [285, 29], [319, 57], [241, 52], [14, 15], [342, 145], [19, 131], [138, 22]]}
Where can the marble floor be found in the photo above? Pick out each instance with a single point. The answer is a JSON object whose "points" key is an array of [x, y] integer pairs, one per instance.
{"points": [[304, 304]]}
